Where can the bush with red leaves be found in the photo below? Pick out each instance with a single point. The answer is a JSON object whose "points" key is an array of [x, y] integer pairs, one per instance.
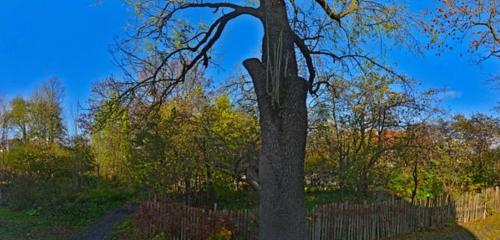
{"points": [[175, 220]]}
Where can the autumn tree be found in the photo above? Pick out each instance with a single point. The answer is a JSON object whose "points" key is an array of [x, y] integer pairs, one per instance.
{"points": [[454, 154], [18, 117], [412, 169], [359, 123], [39, 118], [231, 136], [109, 139], [300, 38], [109, 145], [473, 21], [4, 133], [478, 137], [194, 146], [45, 112], [3, 124], [42, 165]]}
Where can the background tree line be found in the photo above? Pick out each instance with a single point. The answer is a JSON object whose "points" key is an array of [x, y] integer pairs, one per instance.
{"points": [[40, 163], [200, 146]]}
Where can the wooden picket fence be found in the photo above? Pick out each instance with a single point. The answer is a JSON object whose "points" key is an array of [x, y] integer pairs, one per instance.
{"points": [[474, 206], [346, 220], [180, 222]]}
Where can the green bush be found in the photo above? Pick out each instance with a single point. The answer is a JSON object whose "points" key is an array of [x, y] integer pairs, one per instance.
{"points": [[56, 181], [28, 193], [90, 204], [41, 175]]}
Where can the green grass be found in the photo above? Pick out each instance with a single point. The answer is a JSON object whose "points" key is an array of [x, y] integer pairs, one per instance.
{"points": [[64, 218], [124, 231], [17, 225], [318, 198], [488, 229], [90, 205]]}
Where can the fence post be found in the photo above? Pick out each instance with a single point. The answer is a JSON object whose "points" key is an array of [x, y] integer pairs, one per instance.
{"points": [[497, 200]]}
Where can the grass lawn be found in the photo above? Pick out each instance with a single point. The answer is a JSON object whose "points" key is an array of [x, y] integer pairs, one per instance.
{"points": [[488, 229], [65, 218], [15, 225]]}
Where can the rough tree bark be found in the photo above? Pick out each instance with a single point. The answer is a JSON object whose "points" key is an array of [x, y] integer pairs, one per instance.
{"points": [[281, 93], [283, 121]]}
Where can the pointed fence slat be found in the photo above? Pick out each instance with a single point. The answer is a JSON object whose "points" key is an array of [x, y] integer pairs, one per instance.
{"points": [[345, 220]]}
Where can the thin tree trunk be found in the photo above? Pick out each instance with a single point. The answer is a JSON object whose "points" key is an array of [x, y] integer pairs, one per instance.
{"points": [[415, 181], [363, 182], [187, 191], [283, 120], [25, 134], [210, 195]]}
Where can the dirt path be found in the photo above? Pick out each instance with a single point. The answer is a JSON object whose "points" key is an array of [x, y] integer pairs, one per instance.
{"points": [[103, 227]]}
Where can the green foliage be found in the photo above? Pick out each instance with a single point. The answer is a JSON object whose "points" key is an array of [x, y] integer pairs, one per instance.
{"points": [[110, 145], [194, 144], [17, 225], [45, 113], [359, 124], [124, 231], [39, 118], [18, 116], [371, 132], [457, 155], [43, 174], [69, 212], [88, 205], [234, 200], [480, 152], [198, 147], [57, 182], [323, 197], [160, 236]]}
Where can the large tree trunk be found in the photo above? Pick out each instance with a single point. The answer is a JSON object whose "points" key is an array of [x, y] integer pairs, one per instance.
{"points": [[283, 120]]}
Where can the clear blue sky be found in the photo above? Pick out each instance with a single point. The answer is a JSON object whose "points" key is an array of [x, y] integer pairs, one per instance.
{"points": [[71, 40]]}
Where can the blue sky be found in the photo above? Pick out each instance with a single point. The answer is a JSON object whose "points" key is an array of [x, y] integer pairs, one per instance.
{"points": [[71, 40]]}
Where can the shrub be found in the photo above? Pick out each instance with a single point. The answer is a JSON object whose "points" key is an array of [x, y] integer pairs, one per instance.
{"points": [[160, 218], [88, 205]]}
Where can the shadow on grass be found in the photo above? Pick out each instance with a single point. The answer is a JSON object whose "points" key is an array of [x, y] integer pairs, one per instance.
{"points": [[451, 232]]}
